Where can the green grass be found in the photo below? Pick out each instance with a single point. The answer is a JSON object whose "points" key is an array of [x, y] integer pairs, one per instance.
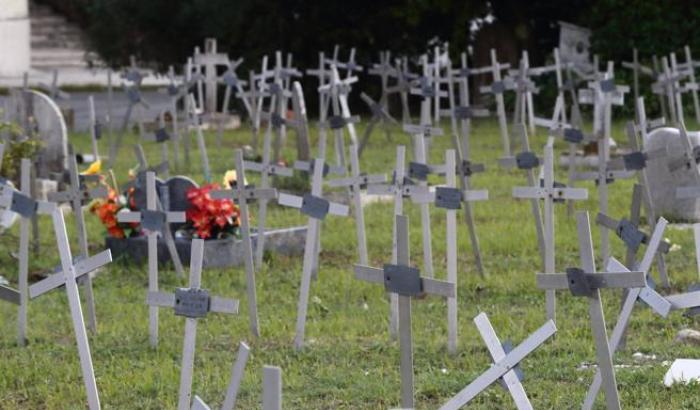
{"points": [[349, 361]]}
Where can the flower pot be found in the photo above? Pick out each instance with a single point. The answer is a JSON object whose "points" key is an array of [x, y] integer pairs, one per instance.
{"points": [[218, 253]]}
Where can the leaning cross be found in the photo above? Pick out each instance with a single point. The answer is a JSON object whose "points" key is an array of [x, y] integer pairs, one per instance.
{"points": [[356, 182], [586, 282], [241, 194], [193, 303], [316, 208], [497, 88], [234, 383], [153, 221], [403, 280], [645, 294], [68, 279], [78, 193], [551, 192], [506, 364]]}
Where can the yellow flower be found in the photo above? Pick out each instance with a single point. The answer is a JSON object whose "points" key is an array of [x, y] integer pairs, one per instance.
{"points": [[229, 177], [94, 168]]}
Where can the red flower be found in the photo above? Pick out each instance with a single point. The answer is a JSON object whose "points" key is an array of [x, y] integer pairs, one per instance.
{"points": [[210, 217]]}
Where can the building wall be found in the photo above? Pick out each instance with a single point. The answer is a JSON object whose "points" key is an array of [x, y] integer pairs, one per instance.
{"points": [[15, 51]]}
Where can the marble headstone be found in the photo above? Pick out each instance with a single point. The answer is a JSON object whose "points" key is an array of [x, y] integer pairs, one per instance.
{"points": [[663, 182]]}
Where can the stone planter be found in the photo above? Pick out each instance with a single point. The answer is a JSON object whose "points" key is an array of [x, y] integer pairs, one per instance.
{"points": [[218, 253]]}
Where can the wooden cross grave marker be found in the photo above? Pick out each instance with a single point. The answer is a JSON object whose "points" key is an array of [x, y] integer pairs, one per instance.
{"points": [[140, 183], [506, 367], [241, 195], [22, 203], [662, 305], [400, 187], [316, 208], [637, 69], [193, 303], [451, 198], [161, 137], [154, 221], [356, 182], [132, 88], [338, 91], [587, 282], [605, 91], [195, 121], [551, 192], [70, 272], [209, 61], [267, 169], [497, 88], [75, 195], [405, 281]]}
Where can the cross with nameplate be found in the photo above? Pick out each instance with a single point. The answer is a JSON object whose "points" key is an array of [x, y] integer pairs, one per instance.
{"points": [[450, 198], [520, 81], [506, 367], [132, 88], [338, 91], [403, 86], [667, 82], [140, 184], [193, 303], [497, 88], [76, 195], [22, 203], [161, 136], [316, 208], [528, 161], [67, 277], [357, 182], [153, 221], [241, 195], [405, 281], [551, 192], [690, 65], [604, 92], [400, 187], [267, 169], [384, 70], [645, 294], [586, 282]]}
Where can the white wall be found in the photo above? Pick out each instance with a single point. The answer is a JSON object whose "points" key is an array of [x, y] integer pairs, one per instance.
{"points": [[15, 50]]}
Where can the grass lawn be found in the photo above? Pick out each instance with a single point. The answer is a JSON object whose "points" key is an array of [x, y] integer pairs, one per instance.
{"points": [[349, 361]]}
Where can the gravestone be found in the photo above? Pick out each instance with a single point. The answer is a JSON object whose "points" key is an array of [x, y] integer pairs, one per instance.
{"points": [[663, 182], [47, 124]]}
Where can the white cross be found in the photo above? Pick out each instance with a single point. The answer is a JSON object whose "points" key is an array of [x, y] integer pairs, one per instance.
{"points": [[497, 88], [504, 365], [380, 114], [451, 199], [586, 282], [209, 61], [69, 274], [153, 221], [406, 282], [549, 191], [241, 195], [76, 195], [193, 303], [196, 122], [316, 207], [266, 169]]}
